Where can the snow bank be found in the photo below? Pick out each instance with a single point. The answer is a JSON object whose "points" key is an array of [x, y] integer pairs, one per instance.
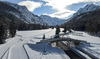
{"points": [[35, 51], [93, 48]]}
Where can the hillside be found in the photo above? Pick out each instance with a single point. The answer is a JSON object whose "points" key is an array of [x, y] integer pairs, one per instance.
{"points": [[88, 21], [24, 14], [87, 8], [23, 18], [52, 21]]}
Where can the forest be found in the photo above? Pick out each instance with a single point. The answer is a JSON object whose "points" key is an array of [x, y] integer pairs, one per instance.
{"points": [[88, 22]]}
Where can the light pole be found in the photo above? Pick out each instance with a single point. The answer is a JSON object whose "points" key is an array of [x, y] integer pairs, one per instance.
{"points": [[44, 43]]}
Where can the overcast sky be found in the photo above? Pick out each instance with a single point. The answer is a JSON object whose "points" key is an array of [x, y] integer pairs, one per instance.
{"points": [[54, 8]]}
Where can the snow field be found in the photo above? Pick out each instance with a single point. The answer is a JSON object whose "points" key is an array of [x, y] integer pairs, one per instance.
{"points": [[5, 47], [83, 55], [35, 51], [93, 48], [21, 46]]}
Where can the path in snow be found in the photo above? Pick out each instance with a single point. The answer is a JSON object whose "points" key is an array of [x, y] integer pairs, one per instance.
{"points": [[17, 51], [13, 48], [7, 45]]}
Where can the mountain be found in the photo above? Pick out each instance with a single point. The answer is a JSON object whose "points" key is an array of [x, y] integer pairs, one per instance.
{"points": [[88, 21], [87, 8], [24, 19], [52, 21], [21, 12]]}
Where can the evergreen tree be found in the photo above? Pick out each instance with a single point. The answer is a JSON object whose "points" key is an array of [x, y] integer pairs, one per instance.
{"points": [[12, 28], [65, 29], [57, 29], [3, 33], [3, 28]]}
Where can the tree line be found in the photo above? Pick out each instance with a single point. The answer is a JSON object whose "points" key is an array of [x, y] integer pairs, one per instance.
{"points": [[7, 28], [89, 23]]}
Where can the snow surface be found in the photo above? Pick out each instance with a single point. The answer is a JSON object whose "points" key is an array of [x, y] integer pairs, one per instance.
{"points": [[86, 37], [24, 46], [35, 51], [94, 43], [81, 53]]}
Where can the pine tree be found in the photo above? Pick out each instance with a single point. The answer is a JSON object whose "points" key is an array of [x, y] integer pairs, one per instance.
{"points": [[65, 29], [57, 30], [3, 29], [3, 33], [12, 28]]}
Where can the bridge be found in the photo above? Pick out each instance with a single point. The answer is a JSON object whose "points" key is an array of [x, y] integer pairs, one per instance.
{"points": [[64, 42], [62, 38]]}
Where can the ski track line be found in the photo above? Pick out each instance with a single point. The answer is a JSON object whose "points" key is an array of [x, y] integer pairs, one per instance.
{"points": [[26, 52], [5, 53], [18, 48], [6, 45], [22, 45]]}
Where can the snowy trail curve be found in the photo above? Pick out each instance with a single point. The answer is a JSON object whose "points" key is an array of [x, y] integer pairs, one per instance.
{"points": [[17, 51], [5, 47], [14, 48]]}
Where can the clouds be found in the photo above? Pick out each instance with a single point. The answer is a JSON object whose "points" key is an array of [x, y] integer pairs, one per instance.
{"points": [[62, 14], [62, 6], [76, 6], [31, 5]]}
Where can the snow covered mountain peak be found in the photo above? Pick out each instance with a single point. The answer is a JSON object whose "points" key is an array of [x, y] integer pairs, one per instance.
{"points": [[87, 8], [24, 14], [52, 21]]}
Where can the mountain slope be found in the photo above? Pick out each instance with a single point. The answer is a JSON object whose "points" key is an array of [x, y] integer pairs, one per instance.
{"points": [[88, 21], [87, 8], [52, 21], [22, 13], [22, 21]]}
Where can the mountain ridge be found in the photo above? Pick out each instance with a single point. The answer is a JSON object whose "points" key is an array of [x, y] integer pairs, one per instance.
{"points": [[52, 21], [25, 14], [88, 22], [87, 8]]}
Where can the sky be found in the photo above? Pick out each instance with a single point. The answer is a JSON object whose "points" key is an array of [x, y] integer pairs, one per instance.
{"points": [[54, 8]]}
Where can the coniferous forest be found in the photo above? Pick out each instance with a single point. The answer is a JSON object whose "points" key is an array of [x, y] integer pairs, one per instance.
{"points": [[88, 22], [8, 27]]}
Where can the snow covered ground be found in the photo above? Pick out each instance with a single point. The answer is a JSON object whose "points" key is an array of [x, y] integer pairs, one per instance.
{"points": [[24, 46], [35, 51], [92, 48]]}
